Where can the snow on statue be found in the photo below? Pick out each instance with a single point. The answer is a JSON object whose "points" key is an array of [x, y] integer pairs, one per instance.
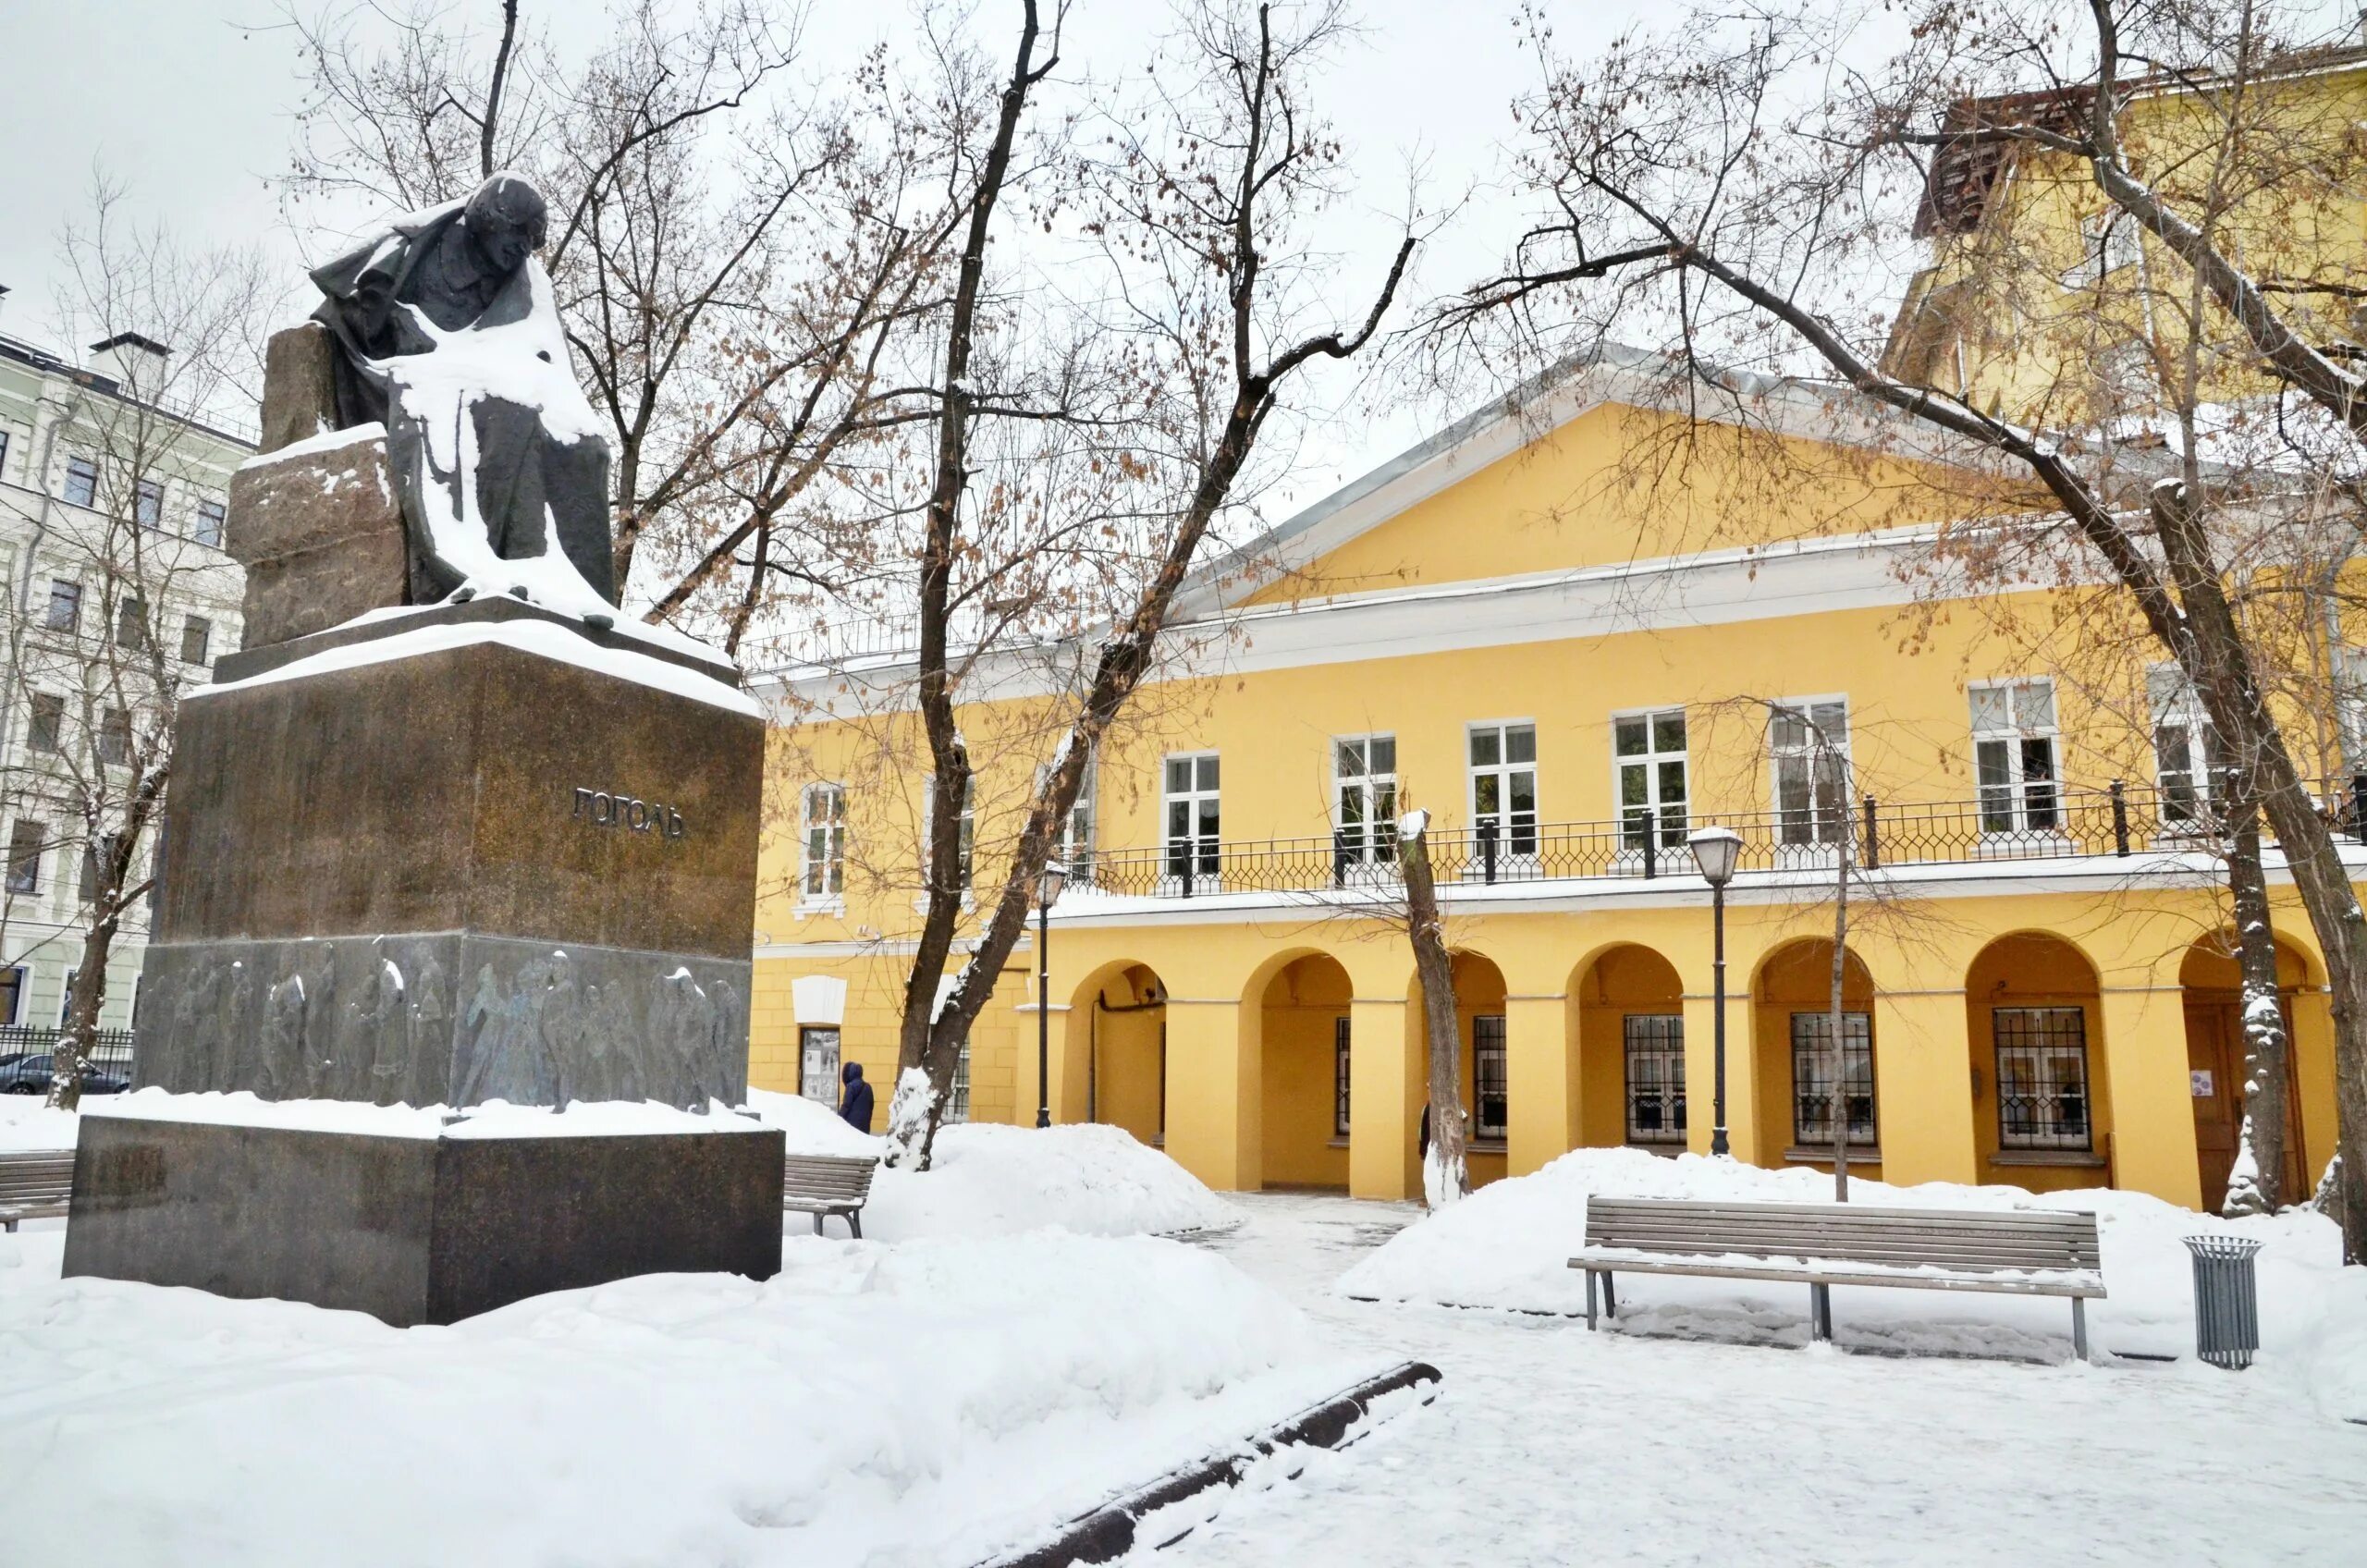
{"points": [[451, 336]]}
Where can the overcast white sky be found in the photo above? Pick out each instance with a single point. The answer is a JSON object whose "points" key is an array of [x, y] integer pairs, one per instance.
{"points": [[191, 103]]}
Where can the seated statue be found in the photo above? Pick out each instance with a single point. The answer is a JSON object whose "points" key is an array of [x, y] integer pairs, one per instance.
{"points": [[448, 333]]}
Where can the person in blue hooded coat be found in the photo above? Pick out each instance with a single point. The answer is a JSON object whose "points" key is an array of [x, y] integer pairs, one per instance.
{"points": [[855, 1101]]}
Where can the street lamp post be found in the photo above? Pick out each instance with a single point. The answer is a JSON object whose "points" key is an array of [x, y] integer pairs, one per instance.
{"points": [[1715, 851], [1048, 891]]}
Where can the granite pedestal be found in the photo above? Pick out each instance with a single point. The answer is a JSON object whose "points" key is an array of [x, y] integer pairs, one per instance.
{"points": [[416, 1230], [446, 856]]}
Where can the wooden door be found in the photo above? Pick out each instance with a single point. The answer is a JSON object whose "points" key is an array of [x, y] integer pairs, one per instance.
{"points": [[2214, 1046]]}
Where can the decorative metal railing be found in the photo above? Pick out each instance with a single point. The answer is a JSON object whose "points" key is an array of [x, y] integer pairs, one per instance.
{"points": [[2026, 822], [110, 1051]]}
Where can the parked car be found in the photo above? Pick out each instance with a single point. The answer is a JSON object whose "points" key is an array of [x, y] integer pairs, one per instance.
{"points": [[28, 1072]]}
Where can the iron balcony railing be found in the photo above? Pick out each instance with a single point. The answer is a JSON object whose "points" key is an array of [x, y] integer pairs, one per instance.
{"points": [[2026, 823]]}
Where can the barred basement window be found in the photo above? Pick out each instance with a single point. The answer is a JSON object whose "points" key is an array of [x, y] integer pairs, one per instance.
{"points": [[2041, 1078], [1340, 1077], [1489, 1076], [957, 1105], [1655, 1078], [1811, 1077]]}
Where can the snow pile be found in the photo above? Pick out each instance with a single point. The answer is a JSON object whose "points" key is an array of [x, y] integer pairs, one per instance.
{"points": [[928, 1404], [1509, 1243], [26, 1122], [996, 1181]]}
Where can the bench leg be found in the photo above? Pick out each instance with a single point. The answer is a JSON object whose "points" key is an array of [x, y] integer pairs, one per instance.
{"points": [[12, 1223], [854, 1222], [1610, 1297], [1589, 1273], [817, 1224], [2080, 1326], [1819, 1312]]}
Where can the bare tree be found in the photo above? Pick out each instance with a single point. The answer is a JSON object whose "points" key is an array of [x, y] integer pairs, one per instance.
{"points": [[99, 674], [1198, 206], [1728, 187]]}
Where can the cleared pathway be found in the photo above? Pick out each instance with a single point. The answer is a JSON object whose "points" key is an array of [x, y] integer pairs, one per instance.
{"points": [[1551, 1446]]}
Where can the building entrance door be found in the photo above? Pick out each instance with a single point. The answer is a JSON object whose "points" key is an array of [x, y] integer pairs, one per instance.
{"points": [[818, 1067], [2214, 1048]]}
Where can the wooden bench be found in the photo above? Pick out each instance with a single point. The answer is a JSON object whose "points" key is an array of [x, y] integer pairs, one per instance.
{"points": [[824, 1184], [2013, 1252], [36, 1185]]}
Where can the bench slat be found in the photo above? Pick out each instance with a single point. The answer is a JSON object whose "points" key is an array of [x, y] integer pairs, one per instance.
{"points": [[2067, 1287]]}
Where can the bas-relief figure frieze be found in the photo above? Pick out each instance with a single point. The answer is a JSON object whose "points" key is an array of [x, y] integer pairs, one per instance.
{"points": [[449, 1018]]}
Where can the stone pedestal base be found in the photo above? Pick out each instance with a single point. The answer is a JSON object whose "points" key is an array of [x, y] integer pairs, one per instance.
{"points": [[416, 1230]]}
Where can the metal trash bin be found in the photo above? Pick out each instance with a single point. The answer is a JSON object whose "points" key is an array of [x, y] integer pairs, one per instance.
{"points": [[2226, 1299]]}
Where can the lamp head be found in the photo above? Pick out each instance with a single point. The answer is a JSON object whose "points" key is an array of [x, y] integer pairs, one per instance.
{"points": [[1716, 850], [1048, 883]]}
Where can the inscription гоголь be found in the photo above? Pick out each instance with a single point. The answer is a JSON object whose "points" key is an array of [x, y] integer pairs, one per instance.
{"points": [[605, 810]]}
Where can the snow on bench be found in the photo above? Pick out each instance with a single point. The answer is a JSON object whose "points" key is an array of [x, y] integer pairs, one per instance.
{"points": [[2024, 1251], [35, 1186], [824, 1184]]}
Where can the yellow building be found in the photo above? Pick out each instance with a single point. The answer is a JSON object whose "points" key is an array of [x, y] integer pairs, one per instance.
{"points": [[1571, 669]]}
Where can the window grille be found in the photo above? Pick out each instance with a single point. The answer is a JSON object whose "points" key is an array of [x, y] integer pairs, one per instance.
{"points": [[1655, 1053], [2041, 1078], [1812, 1081], [957, 1105], [1340, 1077], [1490, 1079], [1651, 752]]}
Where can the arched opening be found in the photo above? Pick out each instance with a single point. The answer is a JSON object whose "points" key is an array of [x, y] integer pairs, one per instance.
{"points": [[2211, 983], [1485, 1068], [1303, 1074], [1630, 1007], [1792, 1050], [1114, 1069], [2042, 1115]]}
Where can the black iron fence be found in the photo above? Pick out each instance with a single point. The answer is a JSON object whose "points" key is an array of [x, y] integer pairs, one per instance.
{"points": [[110, 1051], [2027, 822]]}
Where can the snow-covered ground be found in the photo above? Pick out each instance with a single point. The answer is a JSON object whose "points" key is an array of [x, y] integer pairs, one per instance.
{"points": [[991, 1181], [1509, 1244], [1551, 1446]]}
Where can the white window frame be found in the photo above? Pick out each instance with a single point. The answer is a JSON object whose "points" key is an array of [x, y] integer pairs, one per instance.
{"points": [[1072, 844], [2171, 701], [65, 490], [1817, 839], [1206, 850], [828, 898], [1512, 849], [1651, 761], [2017, 804], [1364, 850], [2107, 243]]}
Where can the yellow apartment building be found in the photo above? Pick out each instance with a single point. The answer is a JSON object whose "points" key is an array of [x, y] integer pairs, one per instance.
{"points": [[1575, 634]]}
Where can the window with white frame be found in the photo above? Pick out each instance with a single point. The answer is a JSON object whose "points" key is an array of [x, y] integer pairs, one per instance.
{"points": [[2107, 243], [1072, 843], [1190, 821], [2184, 746], [822, 876], [12, 995], [1364, 789], [148, 503], [957, 1104], [1490, 1078], [1648, 749], [25, 839], [82, 483], [1808, 746], [965, 833], [2014, 740], [211, 515], [1339, 1076], [1503, 787]]}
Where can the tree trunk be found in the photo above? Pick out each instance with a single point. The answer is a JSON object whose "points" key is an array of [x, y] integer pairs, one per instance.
{"points": [[1445, 1175], [2256, 1183], [2215, 660], [78, 1040]]}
